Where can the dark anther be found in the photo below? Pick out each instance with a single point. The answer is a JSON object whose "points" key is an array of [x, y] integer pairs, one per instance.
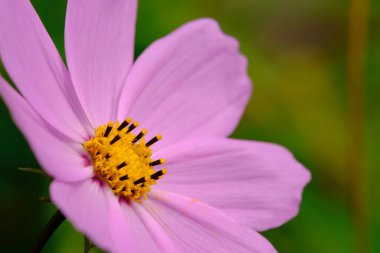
{"points": [[108, 131], [121, 165], [157, 162], [157, 175], [124, 178], [123, 125], [108, 156], [115, 139], [138, 137], [139, 181], [152, 141], [131, 127]]}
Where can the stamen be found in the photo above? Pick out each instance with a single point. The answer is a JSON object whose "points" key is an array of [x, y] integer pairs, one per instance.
{"points": [[123, 159], [133, 126], [154, 140], [158, 174], [124, 178], [124, 124], [140, 135], [139, 181], [123, 164], [157, 162], [115, 139], [108, 131]]}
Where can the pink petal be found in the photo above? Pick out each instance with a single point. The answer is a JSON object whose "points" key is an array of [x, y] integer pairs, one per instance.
{"points": [[196, 227], [166, 222], [57, 154], [99, 47], [34, 64], [256, 183], [191, 83], [89, 206], [149, 235], [111, 224]]}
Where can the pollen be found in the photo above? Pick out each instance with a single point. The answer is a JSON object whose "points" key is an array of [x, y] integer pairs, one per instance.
{"points": [[123, 159]]}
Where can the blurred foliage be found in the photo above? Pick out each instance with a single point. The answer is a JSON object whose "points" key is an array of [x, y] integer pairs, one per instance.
{"points": [[297, 55]]}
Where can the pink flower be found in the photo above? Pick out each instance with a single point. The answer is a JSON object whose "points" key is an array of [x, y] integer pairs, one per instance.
{"points": [[191, 87]]}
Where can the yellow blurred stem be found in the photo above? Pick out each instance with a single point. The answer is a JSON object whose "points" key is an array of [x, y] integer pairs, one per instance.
{"points": [[358, 18]]}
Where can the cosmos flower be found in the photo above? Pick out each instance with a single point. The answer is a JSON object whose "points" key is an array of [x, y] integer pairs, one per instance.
{"points": [[138, 150]]}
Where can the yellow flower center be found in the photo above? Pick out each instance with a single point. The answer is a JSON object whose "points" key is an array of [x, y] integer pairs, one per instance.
{"points": [[123, 160]]}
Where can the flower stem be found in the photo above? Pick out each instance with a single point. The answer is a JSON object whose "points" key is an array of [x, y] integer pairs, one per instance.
{"points": [[49, 229], [34, 171], [87, 245]]}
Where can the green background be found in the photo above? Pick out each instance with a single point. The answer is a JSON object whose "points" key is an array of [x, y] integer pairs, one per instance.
{"points": [[298, 53]]}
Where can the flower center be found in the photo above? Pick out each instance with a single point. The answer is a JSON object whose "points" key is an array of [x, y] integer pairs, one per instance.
{"points": [[123, 159]]}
